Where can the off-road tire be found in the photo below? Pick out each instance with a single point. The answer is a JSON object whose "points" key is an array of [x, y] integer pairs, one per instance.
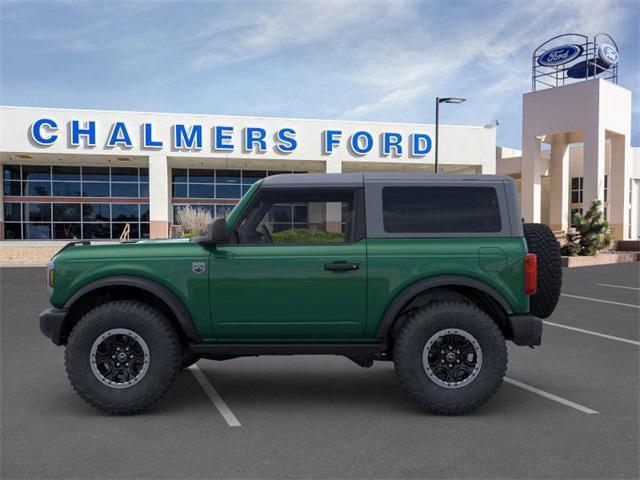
{"points": [[164, 356], [412, 338], [542, 242]]}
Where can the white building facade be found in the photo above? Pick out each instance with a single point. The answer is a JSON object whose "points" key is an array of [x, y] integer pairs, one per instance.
{"points": [[86, 174]]}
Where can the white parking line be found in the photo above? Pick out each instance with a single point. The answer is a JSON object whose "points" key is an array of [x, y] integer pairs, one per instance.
{"points": [[600, 300], [616, 286], [222, 407], [550, 396], [590, 332]]}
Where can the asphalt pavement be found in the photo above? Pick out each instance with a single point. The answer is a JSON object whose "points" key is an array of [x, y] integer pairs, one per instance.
{"points": [[571, 409]]}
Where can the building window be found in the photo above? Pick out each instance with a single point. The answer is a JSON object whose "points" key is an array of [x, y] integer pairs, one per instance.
{"points": [[201, 185], [576, 189], [62, 213], [62, 181]]}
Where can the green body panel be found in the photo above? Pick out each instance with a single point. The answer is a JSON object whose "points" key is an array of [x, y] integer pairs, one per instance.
{"points": [[394, 264], [166, 262], [283, 292]]}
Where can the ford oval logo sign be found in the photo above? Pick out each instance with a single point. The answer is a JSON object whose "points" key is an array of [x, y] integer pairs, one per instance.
{"points": [[608, 54], [560, 55]]}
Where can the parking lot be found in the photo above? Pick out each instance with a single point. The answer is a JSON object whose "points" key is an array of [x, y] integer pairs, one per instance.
{"points": [[569, 409]]}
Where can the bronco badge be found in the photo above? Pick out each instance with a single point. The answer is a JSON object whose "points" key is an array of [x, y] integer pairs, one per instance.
{"points": [[198, 267]]}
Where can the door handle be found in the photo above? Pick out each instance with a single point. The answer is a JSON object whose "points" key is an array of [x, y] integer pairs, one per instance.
{"points": [[341, 266]]}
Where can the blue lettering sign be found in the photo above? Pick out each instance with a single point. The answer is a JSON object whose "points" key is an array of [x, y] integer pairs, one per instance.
{"points": [[119, 136], [186, 139], [253, 136], [391, 140], [221, 137], [420, 144], [37, 134], [147, 138], [357, 146], [330, 139], [286, 141], [89, 131]]}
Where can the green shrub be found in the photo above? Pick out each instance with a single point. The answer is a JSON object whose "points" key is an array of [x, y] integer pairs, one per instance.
{"points": [[300, 235], [592, 233]]}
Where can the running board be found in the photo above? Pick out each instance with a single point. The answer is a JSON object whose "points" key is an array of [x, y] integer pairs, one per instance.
{"points": [[252, 349]]}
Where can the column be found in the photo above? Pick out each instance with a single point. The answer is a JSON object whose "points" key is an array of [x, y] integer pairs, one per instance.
{"points": [[618, 188], [593, 166], [559, 168], [531, 179], [159, 197], [334, 210]]}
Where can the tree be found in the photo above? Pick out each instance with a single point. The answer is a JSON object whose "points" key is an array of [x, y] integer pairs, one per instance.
{"points": [[592, 233]]}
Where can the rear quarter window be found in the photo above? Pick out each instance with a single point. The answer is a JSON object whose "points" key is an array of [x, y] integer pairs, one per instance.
{"points": [[449, 209]]}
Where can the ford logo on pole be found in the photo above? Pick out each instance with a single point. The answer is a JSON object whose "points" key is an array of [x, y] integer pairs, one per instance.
{"points": [[608, 54], [560, 55]]}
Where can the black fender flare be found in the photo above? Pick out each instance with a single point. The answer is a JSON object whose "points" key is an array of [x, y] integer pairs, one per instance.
{"points": [[394, 307], [167, 296]]}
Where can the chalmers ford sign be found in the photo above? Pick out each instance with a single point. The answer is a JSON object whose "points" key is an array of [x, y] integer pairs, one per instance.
{"points": [[45, 132]]}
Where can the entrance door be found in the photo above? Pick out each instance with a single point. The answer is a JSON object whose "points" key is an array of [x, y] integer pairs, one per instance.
{"points": [[298, 270]]}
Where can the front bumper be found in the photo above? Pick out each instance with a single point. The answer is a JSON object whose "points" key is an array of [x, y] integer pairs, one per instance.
{"points": [[526, 329], [52, 325]]}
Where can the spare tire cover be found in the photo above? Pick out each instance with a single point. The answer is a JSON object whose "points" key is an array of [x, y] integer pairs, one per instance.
{"points": [[541, 241]]}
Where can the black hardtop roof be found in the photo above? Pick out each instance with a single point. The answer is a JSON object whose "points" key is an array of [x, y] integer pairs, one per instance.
{"points": [[297, 180]]}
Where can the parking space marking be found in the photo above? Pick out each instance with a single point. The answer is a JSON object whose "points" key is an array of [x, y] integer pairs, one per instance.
{"points": [[590, 332], [551, 396], [600, 300], [616, 286], [222, 407]]}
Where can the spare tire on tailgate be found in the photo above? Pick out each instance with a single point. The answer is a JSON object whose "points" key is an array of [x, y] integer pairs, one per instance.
{"points": [[542, 242]]}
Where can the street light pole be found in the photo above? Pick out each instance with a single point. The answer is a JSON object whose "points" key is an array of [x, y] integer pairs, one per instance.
{"points": [[437, 128], [438, 102]]}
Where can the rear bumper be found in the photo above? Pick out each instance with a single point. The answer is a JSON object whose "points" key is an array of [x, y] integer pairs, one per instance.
{"points": [[526, 329], [52, 323]]}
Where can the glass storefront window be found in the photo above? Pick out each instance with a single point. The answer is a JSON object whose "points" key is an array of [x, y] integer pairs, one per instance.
{"points": [[66, 173], [66, 189], [96, 212], [95, 189], [124, 190], [66, 212]]}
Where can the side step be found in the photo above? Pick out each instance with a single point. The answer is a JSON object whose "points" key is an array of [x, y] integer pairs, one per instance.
{"points": [[253, 349]]}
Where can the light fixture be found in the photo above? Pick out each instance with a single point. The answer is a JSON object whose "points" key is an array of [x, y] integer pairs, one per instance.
{"points": [[440, 100]]}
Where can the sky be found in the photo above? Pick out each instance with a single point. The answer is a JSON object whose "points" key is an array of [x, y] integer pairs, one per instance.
{"points": [[351, 60]]}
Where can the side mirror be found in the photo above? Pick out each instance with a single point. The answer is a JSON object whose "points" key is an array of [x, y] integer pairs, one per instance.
{"points": [[216, 232]]}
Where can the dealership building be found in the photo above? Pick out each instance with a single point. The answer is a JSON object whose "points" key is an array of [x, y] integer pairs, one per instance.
{"points": [[85, 174], [90, 174]]}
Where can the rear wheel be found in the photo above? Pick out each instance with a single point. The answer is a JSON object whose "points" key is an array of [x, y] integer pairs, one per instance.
{"points": [[542, 242], [450, 357], [122, 356]]}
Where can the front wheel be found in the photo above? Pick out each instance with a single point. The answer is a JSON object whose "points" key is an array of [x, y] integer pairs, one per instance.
{"points": [[450, 357], [122, 356]]}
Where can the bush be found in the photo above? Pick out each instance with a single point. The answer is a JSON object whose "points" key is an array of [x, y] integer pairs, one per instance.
{"points": [[194, 221], [592, 233], [300, 235]]}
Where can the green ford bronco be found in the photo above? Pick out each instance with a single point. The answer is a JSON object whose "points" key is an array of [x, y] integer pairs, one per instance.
{"points": [[432, 272]]}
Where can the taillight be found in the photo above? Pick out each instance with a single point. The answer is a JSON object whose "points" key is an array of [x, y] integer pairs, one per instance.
{"points": [[530, 273]]}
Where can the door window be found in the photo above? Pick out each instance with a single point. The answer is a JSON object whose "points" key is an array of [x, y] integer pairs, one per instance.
{"points": [[288, 217]]}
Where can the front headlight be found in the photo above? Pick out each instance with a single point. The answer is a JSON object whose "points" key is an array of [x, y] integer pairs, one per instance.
{"points": [[51, 278]]}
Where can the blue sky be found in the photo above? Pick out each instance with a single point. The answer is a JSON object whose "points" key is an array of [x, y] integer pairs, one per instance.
{"points": [[368, 60]]}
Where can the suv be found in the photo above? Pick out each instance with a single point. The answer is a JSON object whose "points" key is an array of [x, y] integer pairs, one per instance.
{"points": [[432, 272]]}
